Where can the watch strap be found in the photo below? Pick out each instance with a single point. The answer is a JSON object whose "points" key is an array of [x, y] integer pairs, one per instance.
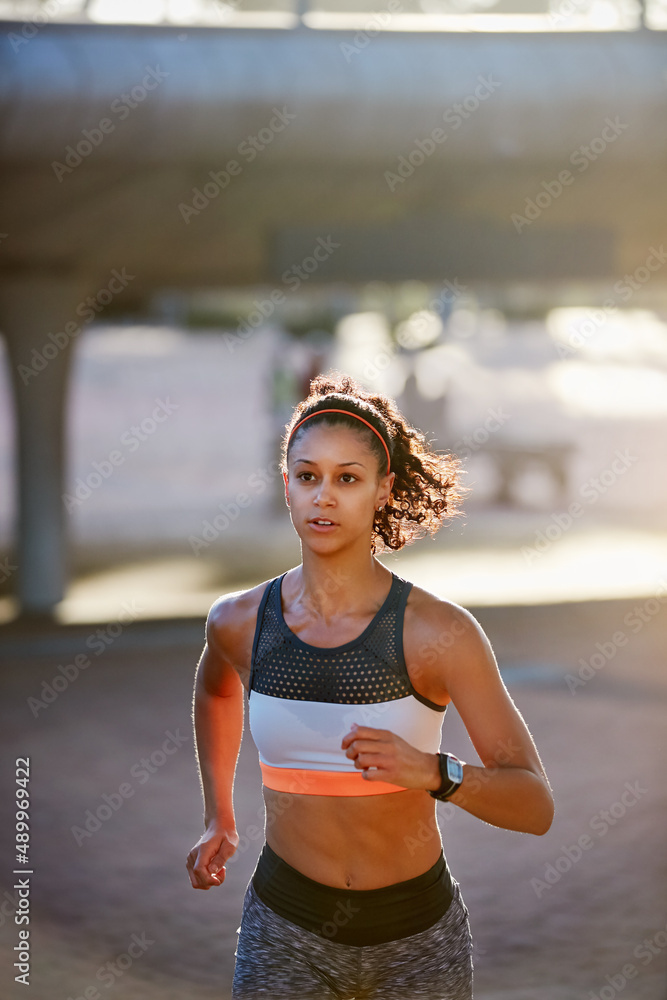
{"points": [[447, 786]]}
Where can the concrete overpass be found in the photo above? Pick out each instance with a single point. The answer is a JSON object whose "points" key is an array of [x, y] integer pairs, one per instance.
{"points": [[138, 158]]}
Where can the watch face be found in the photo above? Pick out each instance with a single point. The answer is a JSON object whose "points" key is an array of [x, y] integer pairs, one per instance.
{"points": [[454, 770]]}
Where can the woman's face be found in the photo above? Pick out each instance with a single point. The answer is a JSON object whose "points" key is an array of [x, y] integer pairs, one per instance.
{"points": [[334, 476]]}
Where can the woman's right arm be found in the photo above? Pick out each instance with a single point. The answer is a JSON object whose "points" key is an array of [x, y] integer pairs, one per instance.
{"points": [[218, 725]]}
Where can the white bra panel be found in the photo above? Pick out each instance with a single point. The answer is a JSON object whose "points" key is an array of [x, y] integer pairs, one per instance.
{"points": [[308, 734]]}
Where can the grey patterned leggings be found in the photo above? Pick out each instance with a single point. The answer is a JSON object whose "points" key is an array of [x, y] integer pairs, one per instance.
{"points": [[278, 959]]}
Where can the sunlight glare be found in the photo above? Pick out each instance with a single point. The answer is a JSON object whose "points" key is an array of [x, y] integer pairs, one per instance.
{"points": [[128, 11], [607, 390]]}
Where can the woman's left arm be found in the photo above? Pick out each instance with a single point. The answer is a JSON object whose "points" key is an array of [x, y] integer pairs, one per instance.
{"points": [[511, 790]]}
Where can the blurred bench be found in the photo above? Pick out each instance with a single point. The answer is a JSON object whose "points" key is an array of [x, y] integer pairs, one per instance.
{"points": [[512, 459]]}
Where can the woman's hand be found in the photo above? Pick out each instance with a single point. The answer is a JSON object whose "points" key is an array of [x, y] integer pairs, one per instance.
{"points": [[391, 758], [206, 860]]}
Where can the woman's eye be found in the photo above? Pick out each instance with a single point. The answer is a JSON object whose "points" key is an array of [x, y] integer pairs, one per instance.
{"points": [[346, 476]]}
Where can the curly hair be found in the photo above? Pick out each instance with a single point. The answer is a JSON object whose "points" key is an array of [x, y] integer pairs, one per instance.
{"points": [[427, 488]]}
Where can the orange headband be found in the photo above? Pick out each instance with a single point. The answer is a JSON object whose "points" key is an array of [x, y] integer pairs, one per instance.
{"points": [[350, 414]]}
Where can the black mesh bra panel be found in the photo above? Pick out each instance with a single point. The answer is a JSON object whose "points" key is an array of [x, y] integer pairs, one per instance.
{"points": [[366, 670]]}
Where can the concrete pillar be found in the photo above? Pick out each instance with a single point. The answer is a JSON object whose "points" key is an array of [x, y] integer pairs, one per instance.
{"points": [[39, 320]]}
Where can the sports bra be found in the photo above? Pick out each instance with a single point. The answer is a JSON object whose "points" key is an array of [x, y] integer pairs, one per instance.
{"points": [[302, 699]]}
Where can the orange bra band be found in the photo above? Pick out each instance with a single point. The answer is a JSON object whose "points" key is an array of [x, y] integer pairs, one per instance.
{"points": [[306, 781]]}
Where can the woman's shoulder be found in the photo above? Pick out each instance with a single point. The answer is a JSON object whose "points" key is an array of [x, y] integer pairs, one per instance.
{"points": [[232, 617], [232, 608], [435, 619]]}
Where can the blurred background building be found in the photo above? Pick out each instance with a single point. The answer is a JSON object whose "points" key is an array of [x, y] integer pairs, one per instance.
{"points": [[461, 203]]}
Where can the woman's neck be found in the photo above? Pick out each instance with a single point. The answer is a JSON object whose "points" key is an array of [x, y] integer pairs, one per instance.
{"points": [[333, 586]]}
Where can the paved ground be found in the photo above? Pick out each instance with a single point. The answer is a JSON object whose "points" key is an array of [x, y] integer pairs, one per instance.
{"points": [[578, 937]]}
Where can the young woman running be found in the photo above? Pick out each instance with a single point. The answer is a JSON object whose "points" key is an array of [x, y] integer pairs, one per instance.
{"points": [[349, 669]]}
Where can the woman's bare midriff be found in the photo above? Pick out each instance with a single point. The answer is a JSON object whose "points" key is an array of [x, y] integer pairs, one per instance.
{"points": [[354, 842]]}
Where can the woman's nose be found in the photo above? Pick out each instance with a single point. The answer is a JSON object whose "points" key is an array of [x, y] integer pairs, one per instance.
{"points": [[324, 494]]}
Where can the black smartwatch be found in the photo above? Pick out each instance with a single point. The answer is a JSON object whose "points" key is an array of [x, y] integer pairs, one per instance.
{"points": [[451, 772]]}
